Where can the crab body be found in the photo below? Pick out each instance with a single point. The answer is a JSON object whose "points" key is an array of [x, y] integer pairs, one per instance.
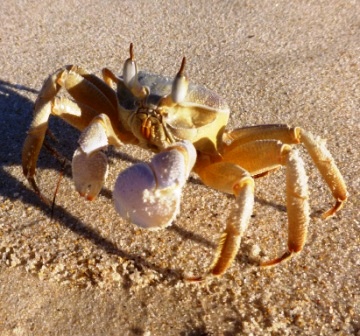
{"points": [[200, 118], [185, 125]]}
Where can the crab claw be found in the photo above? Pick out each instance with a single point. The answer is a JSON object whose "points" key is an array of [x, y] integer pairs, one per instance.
{"points": [[149, 194], [89, 163], [89, 173]]}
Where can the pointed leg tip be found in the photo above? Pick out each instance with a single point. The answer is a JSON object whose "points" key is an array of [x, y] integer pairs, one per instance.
{"points": [[287, 255], [38, 192], [201, 278], [332, 212], [198, 278], [194, 279], [328, 214]]}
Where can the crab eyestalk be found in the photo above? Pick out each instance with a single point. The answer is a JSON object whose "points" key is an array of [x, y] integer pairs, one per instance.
{"points": [[179, 88], [130, 76], [180, 85]]}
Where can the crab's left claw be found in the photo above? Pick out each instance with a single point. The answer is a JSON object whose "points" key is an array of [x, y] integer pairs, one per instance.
{"points": [[89, 172], [149, 194], [89, 163]]}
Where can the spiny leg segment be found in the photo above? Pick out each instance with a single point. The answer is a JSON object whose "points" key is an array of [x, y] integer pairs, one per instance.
{"points": [[239, 182], [316, 147]]}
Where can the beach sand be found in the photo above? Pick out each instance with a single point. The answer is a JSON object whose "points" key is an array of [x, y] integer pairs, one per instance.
{"points": [[86, 271]]}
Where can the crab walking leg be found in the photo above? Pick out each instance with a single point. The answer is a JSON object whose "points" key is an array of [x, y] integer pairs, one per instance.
{"points": [[297, 204], [236, 225], [89, 163], [89, 90], [229, 178], [149, 194], [264, 155], [328, 169], [257, 157], [281, 132], [94, 97], [76, 114], [38, 127]]}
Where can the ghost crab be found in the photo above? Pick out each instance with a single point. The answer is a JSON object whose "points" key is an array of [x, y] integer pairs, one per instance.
{"points": [[185, 125]]}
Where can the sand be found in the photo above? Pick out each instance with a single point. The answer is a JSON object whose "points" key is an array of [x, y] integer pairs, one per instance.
{"points": [[86, 271]]}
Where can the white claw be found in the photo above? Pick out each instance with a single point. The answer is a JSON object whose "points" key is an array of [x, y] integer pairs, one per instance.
{"points": [[89, 163], [149, 194], [89, 172], [93, 137]]}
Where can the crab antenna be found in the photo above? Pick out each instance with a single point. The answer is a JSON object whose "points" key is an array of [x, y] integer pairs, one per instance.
{"points": [[180, 85]]}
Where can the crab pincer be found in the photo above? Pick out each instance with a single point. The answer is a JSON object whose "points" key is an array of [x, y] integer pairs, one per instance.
{"points": [[149, 194]]}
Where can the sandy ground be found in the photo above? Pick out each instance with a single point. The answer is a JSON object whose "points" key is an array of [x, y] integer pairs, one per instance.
{"points": [[89, 272]]}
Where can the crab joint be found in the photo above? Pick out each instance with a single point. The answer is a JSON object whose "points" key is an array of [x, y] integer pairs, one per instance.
{"points": [[242, 183]]}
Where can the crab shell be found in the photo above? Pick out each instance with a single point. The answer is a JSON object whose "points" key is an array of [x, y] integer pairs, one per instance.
{"points": [[200, 117]]}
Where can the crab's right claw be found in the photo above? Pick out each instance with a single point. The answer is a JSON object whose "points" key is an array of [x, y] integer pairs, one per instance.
{"points": [[149, 194]]}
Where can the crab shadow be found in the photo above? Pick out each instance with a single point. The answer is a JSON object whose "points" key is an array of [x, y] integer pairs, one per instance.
{"points": [[16, 113]]}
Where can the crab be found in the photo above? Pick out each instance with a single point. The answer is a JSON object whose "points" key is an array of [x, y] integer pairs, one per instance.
{"points": [[185, 126]]}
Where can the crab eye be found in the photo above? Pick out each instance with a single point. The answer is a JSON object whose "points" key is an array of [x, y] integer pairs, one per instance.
{"points": [[180, 85]]}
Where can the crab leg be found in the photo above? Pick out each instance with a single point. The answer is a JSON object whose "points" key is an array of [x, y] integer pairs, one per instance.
{"points": [[89, 90], [320, 155], [149, 194], [265, 155], [328, 169], [297, 205], [228, 176], [92, 97], [38, 127]]}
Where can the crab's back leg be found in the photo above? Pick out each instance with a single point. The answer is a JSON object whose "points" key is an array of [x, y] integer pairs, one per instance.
{"points": [[233, 175], [38, 127], [91, 97], [295, 135], [328, 169], [230, 178], [89, 90]]}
